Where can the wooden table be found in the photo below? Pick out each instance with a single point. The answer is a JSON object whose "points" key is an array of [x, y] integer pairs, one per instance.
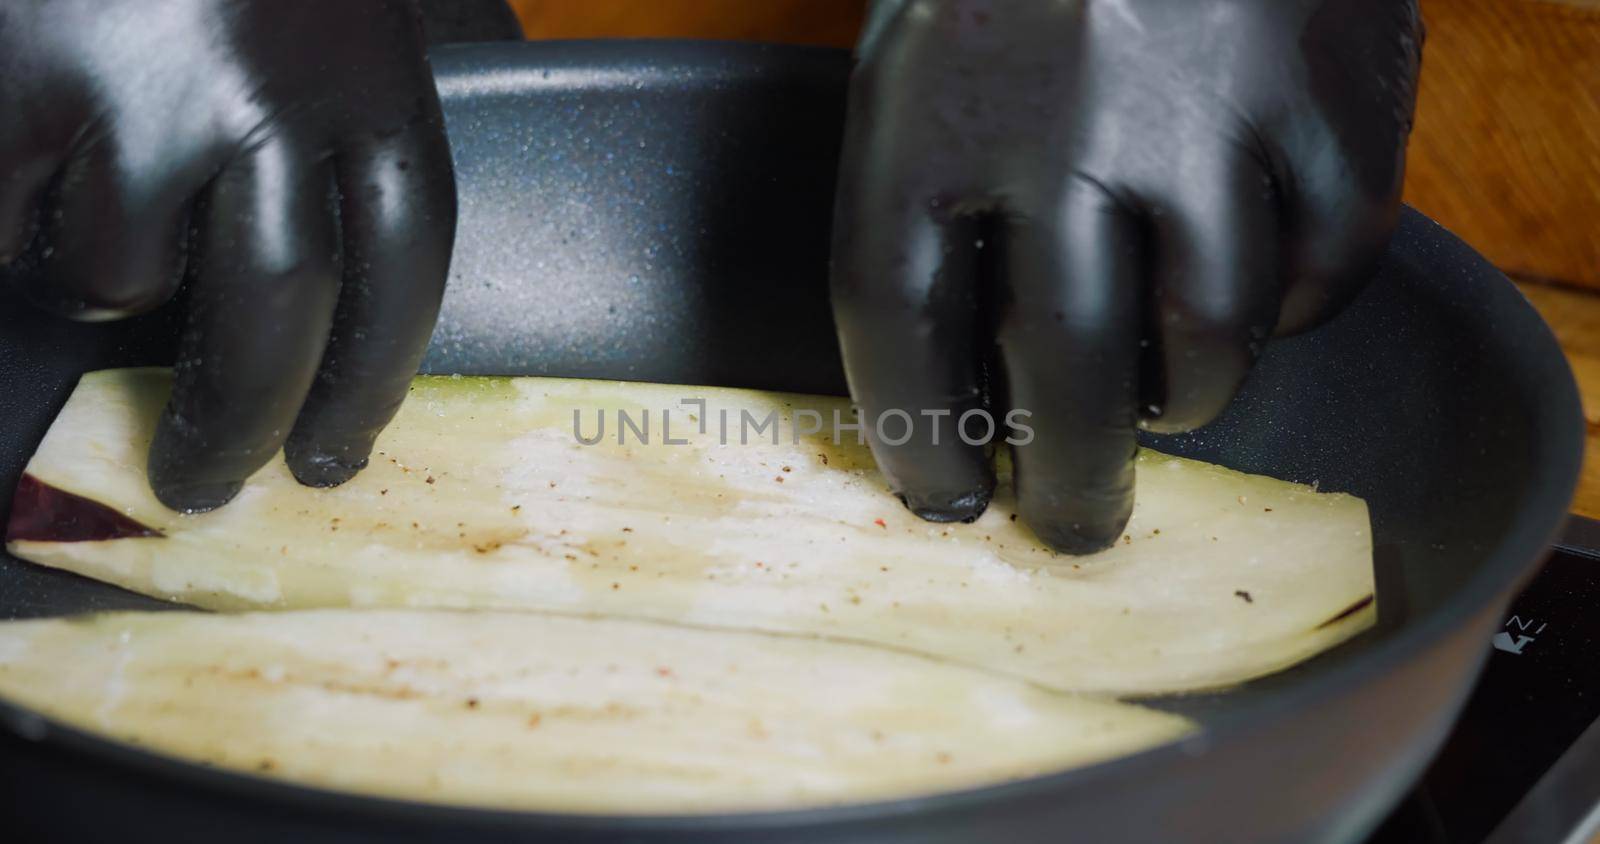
{"points": [[1574, 315]]}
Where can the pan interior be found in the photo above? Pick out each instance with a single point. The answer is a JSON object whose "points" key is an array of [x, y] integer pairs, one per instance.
{"points": [[668, 221]]}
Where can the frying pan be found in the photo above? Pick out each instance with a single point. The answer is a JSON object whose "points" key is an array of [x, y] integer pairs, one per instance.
{"points": [[659, 211]]}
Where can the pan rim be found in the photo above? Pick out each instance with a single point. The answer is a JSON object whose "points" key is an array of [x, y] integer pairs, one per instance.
{"points": [[1507, 564]]}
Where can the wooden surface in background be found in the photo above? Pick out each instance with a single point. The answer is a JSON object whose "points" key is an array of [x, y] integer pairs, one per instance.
{"points": [[1507, 146], [1574, 316]]}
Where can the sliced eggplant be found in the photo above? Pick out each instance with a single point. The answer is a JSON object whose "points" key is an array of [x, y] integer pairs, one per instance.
{"points": [[535, 711], [482, 496]]}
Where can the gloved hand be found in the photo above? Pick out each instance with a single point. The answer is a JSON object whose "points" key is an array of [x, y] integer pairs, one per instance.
{"points": [[1122, 199], [288, 156]]}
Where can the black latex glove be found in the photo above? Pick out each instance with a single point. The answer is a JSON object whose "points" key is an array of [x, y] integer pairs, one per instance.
{"points": [[469, 21], [1123, 199], [288, 156]]}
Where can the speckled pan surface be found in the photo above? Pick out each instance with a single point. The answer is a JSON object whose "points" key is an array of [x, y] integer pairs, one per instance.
{"points": [[659, 211]]}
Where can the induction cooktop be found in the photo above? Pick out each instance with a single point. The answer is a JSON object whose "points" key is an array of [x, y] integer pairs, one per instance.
{"points": [[1523, 763]]}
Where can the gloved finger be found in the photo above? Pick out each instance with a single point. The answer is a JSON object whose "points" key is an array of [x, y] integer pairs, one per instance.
{"points": [[1070, 340], [469, 21], [1335, 234], [22, 188], [905, 301], [110, 241], [1216, 286], [32, 152], [266, 285], [1343, 181], [398, 215]]}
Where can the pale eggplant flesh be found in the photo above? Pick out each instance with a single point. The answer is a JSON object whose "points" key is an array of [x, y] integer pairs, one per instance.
{"points": [[482, 496], [497, 613], [533, 711]]}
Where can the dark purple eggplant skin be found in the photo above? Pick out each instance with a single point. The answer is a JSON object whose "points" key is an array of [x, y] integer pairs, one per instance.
{"points": [[43, 513]]}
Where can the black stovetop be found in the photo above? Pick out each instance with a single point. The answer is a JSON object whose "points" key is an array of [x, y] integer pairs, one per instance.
{"points": [[1523, 764]]}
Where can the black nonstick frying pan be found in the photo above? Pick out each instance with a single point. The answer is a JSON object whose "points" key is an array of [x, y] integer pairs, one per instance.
{"points": [[659, 211]]}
